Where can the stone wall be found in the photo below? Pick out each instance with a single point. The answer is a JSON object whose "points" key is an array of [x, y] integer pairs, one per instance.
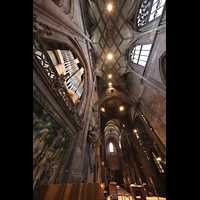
{"points": [[145, 84]]}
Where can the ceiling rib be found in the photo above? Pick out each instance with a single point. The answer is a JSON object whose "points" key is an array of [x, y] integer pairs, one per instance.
{"points": [[111, 33]]}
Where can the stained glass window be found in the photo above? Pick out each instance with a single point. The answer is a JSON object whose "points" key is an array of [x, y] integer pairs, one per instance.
{"points": [[148, 8], [111, 147], [143, 13], [140, 53], [157, 8]]}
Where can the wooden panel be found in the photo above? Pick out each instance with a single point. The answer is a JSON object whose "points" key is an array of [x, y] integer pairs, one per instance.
{"points": [[84, 193], [88, 191], [72, 191], [113, 187], [51, 192], [69, 191], [77, 191], [42, 192], [80, 192], [97, 191]]}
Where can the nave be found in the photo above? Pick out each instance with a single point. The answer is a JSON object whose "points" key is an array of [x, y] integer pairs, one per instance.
{"points": [[99, 97]]}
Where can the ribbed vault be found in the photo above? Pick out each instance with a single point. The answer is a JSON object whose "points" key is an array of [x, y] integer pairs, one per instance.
{"points": [[111, 33], [112, 130]]}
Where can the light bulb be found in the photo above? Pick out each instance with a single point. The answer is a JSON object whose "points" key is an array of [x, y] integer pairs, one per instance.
{"points": [[109, 7], [109, 56]]}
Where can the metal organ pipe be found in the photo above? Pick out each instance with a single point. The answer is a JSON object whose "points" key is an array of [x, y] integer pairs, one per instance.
{"points": [[74, 80]]}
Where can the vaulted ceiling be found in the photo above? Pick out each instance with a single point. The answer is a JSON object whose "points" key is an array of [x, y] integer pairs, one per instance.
{"points": [[111, 34], [112, 130]]}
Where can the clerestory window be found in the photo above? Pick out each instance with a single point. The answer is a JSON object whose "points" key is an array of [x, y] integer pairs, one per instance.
{"points": [[140, 54], [143, 14], [156, 9], [149, 10], [111, 147]]}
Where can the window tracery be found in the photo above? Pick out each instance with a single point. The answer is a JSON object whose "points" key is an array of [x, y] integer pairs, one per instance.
{"points": [[140, 54], [149, 11], [143, 13], [157, 8]]}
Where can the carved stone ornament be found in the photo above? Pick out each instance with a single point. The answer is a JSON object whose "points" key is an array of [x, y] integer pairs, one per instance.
{"points": [[58, 83], [93, 134], [39, 27]]}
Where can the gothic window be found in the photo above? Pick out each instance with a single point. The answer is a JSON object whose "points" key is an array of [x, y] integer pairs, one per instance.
{"points": [[149, 10], [111, 147], [143, 13], [140, 53], [157, 8], [156, 160]]}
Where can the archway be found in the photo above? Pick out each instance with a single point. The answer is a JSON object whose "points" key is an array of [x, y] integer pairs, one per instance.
{"points": [[112, 146], [52, 43]]}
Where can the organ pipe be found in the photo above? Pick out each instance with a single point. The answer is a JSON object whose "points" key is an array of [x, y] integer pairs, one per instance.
{"points": [[74, 82]]}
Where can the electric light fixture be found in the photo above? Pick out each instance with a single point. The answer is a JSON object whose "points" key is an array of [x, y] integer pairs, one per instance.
{"points": [[121, 108], [158, 158], [109, 7], [109, 56]]}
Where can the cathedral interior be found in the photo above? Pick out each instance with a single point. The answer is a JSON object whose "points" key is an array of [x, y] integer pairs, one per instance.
{"points": [[99, 94]]}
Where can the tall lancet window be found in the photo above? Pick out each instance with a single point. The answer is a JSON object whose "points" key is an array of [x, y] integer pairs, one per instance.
{"points": [[149, 10], [75, 80], [111, 148], [143, 14], [156, 9]]}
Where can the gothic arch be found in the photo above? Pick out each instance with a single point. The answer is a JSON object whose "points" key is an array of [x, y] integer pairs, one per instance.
{"points": [[162, 67], [117, 94], [77, 50], [65, 5], [112, 130]]}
